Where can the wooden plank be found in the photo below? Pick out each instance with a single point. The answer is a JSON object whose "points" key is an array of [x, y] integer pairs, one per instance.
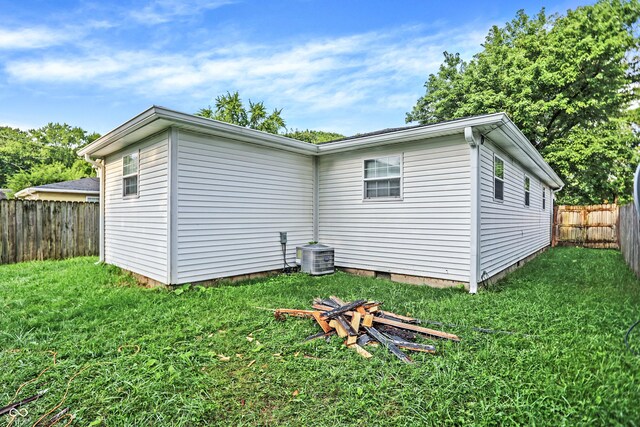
{"points": [[355, 321], [378, 336], [332, 314], [342, 332], [19, 233], [347, 327], [79, 235], [323, 323], [368, 320], [3, 231], [416, 328], [398, 317], [410, 327], [361, 351], [294, 312], [33, 231], [424, 348]]}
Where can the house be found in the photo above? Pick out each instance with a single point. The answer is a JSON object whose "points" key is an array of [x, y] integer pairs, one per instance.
{"points": [[187, 199], [77, 190]]}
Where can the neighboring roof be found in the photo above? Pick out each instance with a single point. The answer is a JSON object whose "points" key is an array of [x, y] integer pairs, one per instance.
{"points": [[88, 186], [498, 127]]}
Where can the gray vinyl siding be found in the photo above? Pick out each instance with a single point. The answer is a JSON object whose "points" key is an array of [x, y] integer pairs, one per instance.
{"points": [[427, 233], [233, 199], [509, 230], [136, 227]]}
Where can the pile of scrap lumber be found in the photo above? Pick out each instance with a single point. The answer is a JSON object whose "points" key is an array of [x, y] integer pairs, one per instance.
{"points": [[363, 323]]}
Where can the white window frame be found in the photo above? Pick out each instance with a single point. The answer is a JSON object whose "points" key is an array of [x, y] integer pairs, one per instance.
{"points": [[544, 198], [92, 199], [137, 174], [493, 172], [524, 187], [365, 180]]}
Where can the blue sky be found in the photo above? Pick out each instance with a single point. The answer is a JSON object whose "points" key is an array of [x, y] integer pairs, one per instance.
{"points": [[346, 66]]}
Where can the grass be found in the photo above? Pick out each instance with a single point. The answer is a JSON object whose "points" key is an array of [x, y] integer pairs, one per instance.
{"points": [[566, 364]]}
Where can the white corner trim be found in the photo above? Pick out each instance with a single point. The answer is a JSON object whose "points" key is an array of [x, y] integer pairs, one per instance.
{"points": [[172, 206], [474, 238]]}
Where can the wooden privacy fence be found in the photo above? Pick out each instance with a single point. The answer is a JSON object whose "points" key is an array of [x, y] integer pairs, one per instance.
{"points": [[37, 230], [630, 236], [594, 226]]}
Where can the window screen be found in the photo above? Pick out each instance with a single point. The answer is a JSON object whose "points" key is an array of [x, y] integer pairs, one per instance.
{"points": [[382, 177], [498, 178], [130, 175]]}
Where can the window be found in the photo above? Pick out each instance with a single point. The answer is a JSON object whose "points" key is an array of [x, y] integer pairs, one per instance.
{"points": [[130, 175], [527, 191], [382, 177], [93, 199], [544, 198], [498, 178]]}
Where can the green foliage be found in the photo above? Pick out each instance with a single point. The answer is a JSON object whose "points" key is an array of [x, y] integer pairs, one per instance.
{"points": [[313, 136], [597, 164], [42, 156], [566, 364], [60, 141], [48, 173], [229, 108], [18, 152], [558, 78]]}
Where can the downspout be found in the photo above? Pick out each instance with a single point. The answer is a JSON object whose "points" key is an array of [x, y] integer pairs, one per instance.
{"points": [[316, 198], [99, 166], [474, 240]]}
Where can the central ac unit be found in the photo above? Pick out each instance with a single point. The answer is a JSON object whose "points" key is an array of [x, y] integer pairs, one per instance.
{"points": [[315, 259]]}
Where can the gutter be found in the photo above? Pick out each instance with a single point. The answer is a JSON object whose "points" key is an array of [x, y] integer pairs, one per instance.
{"points": [[206, 125]]}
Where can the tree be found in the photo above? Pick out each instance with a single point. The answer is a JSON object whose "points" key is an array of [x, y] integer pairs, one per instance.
{"points": [[42, 156], [560, 78], [18, 152], [313, 136], [61, 141], [46, 174], [229, 108]]}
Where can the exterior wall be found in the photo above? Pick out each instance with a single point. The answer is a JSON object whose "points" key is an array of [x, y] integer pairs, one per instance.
{"points": [[233, 199], [54, 196], [136, 228], [509, 230], [427, 233]]}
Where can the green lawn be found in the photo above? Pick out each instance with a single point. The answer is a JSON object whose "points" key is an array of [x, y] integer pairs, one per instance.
{"points": [[565, 365]]}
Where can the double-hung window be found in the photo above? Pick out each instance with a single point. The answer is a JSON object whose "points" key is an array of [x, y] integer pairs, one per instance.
{"points": [[383, 177], [527, 191], [544, 198], [498, 178], [130, 164]]}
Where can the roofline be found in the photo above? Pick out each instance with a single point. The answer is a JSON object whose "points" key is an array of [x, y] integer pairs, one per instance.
{"points": [[499, 121], [523, 143], [212, 126], [445, 128], [29, 190]]}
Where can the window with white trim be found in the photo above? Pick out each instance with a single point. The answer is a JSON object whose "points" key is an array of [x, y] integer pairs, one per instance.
{"points": [[130, 164], [498, 178], [527, 191], [544, 198], [382, 177], [92, 199]]}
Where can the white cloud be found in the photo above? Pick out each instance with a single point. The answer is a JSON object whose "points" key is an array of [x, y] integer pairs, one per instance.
{"points": [[161, 11], [363, 72], [31, 38]]}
